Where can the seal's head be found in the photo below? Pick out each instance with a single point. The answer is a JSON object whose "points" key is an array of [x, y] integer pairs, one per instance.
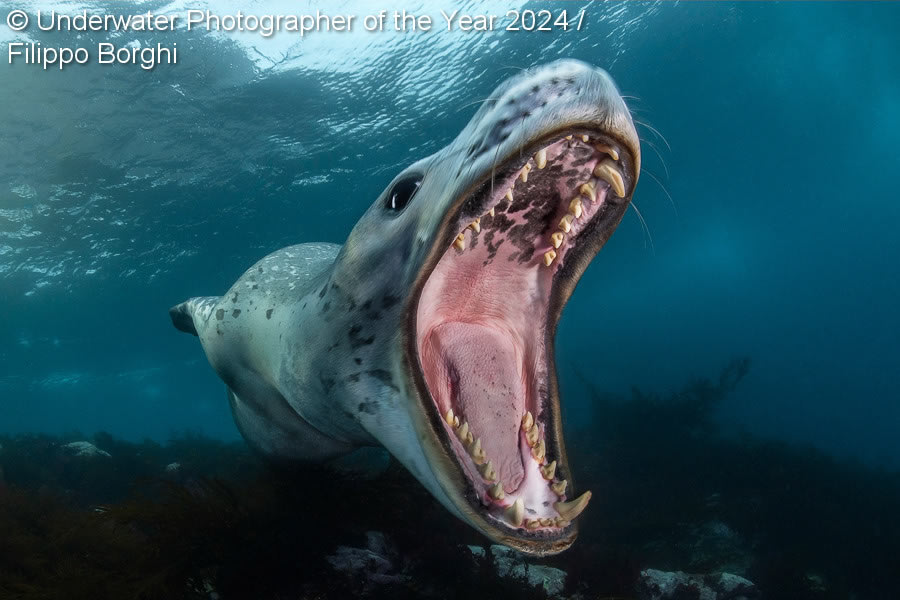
{"points": [[488, 237]]}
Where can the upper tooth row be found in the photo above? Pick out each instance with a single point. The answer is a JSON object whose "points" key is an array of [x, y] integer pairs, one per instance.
{"points": [[605, 170], [460, 241], [599, 147], [608, 172]]}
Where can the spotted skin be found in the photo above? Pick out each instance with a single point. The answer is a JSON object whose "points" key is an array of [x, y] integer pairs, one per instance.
{"points": [[313, 341]]}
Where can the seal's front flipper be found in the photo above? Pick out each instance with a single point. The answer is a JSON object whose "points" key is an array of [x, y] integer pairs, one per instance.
{"points": [[189, 314], [270, 426]]}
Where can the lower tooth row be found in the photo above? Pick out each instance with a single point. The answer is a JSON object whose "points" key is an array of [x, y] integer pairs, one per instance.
{"points": [[472, 446], [515, 513], [539, 451]]}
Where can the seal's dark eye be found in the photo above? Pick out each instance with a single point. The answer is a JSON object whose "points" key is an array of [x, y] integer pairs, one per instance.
{"points": [[402, 192]]}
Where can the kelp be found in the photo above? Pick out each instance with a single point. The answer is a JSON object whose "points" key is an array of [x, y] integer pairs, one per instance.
{"points": [[671, 491], [189, 533]]}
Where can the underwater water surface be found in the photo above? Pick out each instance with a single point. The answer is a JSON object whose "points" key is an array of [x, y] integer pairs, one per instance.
{"points": [[763, 231], [768, 133]]}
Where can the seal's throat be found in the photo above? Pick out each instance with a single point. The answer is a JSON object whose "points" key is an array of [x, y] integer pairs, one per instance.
{"points": [[483, 320]]}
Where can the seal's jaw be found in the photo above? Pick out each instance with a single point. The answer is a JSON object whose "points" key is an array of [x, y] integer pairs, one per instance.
{"points": [[483, 327]]}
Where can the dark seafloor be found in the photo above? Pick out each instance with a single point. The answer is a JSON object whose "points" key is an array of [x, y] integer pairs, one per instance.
{"points": [[729, 371]]}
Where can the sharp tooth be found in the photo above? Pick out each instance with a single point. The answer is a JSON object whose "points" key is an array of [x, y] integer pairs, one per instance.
{"points": [[587, 190], [496, 491], [549, 470], [532, 523], [539, 450], [608, 172], [585, 138], [566, 223], [570, 510], [491, 212], [569, 137], [559, 487], [477, 452], [561, 523], [487, 471], [449, 417], [523, 175], [475, 225], [463, 431], [532, 435], [549, 257], [545, 522], [575, 207], [607, 150], [557, 239], [460, 241], [527, 420], [509, 195], [456, 422], [540, 159], [470, 439], [515, 514]]}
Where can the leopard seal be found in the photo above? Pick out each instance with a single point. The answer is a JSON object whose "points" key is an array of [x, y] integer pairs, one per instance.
{"points": [[431, 331]]}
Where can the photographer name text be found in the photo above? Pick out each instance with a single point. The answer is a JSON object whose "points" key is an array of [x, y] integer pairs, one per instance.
{"points": [[150, 55]]}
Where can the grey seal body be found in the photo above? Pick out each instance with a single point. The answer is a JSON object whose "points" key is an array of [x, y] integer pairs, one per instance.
{"points": [[306, 357], [243, 335], [441, 309]]}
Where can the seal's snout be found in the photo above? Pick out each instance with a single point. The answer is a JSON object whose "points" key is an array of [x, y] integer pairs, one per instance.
{"points": [[538, 100]]}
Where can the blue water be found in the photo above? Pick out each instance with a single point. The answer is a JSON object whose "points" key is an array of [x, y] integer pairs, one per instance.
{"points": [[769, 194]]}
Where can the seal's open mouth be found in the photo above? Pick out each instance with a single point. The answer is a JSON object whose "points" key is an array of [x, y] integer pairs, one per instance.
{"points": [[485, 321]]}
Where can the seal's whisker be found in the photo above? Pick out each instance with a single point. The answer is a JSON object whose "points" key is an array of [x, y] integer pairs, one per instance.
{"points": [[520, 147], [514, 68], [468, 104], [664, 190], [658, 155], [655, 131], [644, 226], [493, 168]]}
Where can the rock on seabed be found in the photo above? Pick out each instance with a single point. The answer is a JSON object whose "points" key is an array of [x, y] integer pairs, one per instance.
{"points": [[677, 585], [85, 450], [513, 564]]}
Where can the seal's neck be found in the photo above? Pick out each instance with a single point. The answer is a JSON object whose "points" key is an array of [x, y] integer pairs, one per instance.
{"points": [[342, 358]]}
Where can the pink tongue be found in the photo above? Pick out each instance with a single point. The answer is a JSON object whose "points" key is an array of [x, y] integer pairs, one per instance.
{"points": [[487, 390]]}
